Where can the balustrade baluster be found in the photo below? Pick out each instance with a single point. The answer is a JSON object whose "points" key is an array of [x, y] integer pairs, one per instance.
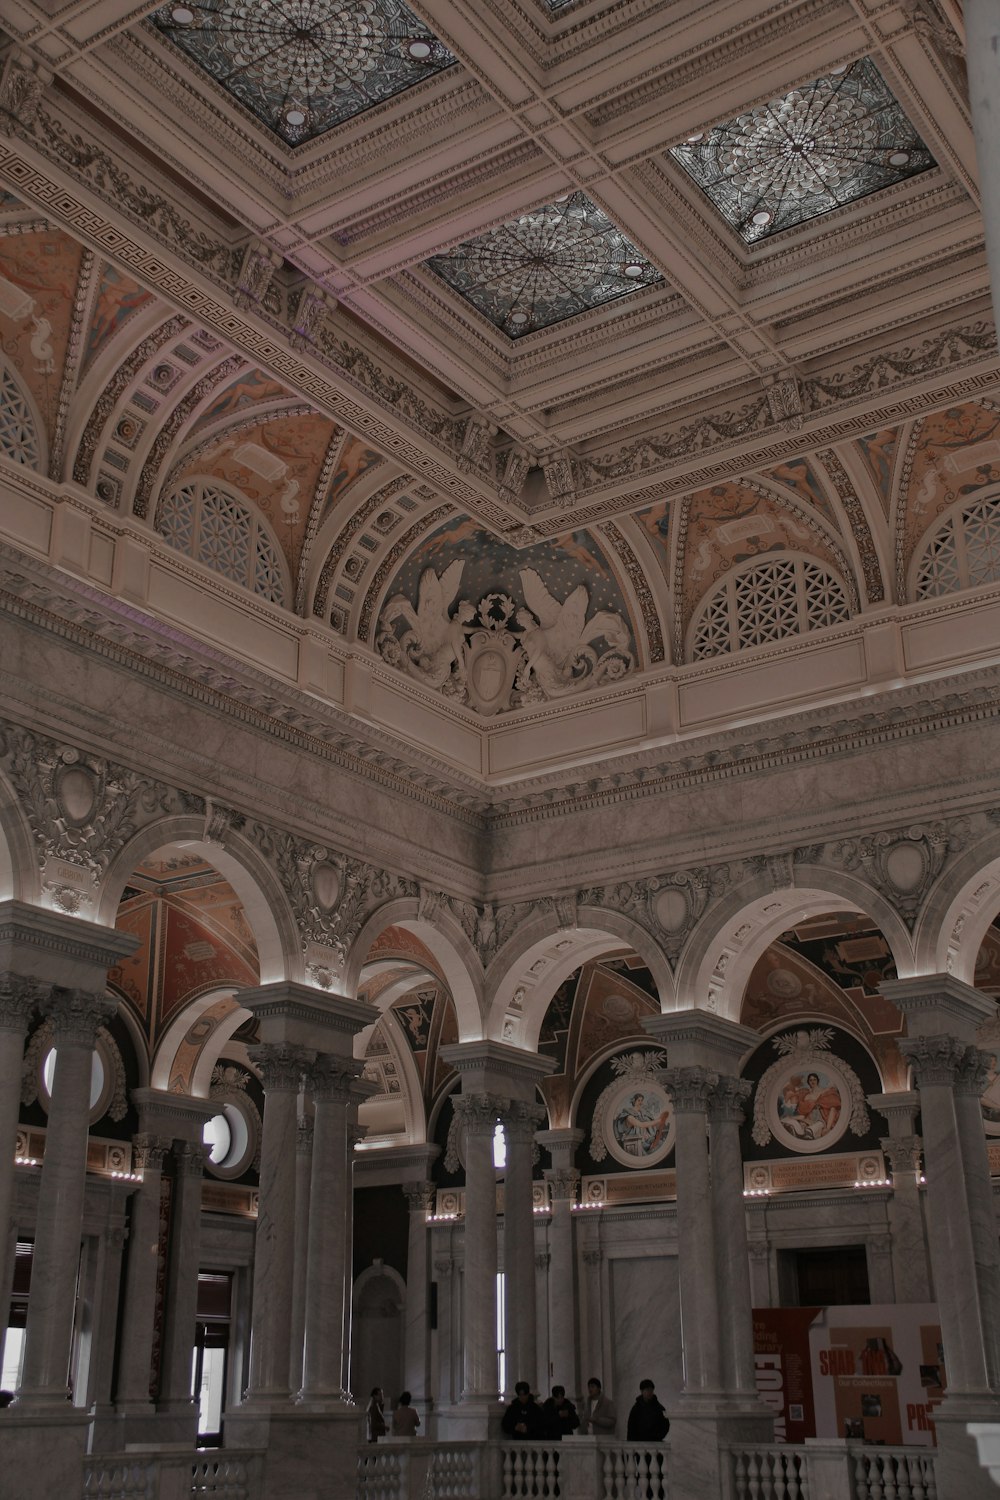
{"points": [[740, 1475], [753, 1476]]}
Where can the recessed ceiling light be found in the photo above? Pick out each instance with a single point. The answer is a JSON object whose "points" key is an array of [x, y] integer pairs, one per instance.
{"points": [[693, 140], [295, 117], [419, 49], [761, 217], [633, 270], [899, 158], [519, 318], [182, 15]]}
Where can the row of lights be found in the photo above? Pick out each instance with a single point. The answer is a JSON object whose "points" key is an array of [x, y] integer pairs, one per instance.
{"points": [[27, 1161], [874, 1182], [580, 1207]]}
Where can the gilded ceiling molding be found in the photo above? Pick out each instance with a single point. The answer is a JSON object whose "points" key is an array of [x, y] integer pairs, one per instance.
{"points": [[643, 593], [391, 561], [316, 507], [345, 537]]}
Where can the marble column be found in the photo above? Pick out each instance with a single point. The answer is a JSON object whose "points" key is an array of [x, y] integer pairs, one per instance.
{"points": [[76, 1017], [520, 1120], [303, 1175], [563, 1181], [982, 57], [281, 1067], [942, 1017], [903, 1151], [593, 1302], [132, 1394], [725, 1112], [691, 1089], [327, 1274], [417, 1334], [478, 1113], [18, 998], [444, 1276], [175, 1397]]}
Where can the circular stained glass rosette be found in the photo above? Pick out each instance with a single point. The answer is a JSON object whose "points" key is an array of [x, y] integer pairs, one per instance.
{"points": [[808, 1105], [552, 263], [303, 66], [819, 147]]}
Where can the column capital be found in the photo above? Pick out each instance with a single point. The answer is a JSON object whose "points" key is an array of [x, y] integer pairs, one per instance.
{"points": [[148, 1152], [281, 1066], [903, 1153], [938, 1059], [77, 1015], [592, 1257], [332, 1078], [190, 1158], [936, 1004], [562, 1183], [973, 1073], [727, 1102], [690, 1088], [443, 1269], [478, 1113], [19, 995], [700, 1038], [420, 1196], [520, 1121]]}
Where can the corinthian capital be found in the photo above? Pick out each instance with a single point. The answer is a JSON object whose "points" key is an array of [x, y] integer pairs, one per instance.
{"points": [[281, 1067], [690, 1088], [478, 1113], [148, 1152], [190, 1159], [935, 1059], [77, 1015], [331, 1078], [18, 998], [520, 1120], [420, 1196], [728, 1099]]}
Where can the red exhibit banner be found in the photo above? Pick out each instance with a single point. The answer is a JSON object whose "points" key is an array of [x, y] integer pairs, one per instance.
{"points": [[862, 1372]]}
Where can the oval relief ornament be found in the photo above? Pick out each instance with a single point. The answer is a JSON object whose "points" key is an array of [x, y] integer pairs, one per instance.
{"points": [[325, 880], [77, 790]]}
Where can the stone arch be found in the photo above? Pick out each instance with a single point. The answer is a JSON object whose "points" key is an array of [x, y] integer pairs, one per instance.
{"points": [[448, 945], [412, 1099], [19, 873], [194, 1041], [958, 912], [542, 954], [378, 1305], [265, 903], [377, 488], [716, 967]]}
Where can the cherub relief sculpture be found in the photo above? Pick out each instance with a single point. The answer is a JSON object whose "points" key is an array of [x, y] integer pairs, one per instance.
{"points": [[496, 654]]}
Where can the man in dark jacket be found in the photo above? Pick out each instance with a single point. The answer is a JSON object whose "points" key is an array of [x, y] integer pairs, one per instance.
{"points": [[523, 1417], [647, 1421], [561, 1416]]}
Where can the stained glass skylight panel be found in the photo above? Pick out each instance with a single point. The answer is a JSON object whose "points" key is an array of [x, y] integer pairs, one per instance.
{"points": [[303, 66], [558, 260], [823, 145]]}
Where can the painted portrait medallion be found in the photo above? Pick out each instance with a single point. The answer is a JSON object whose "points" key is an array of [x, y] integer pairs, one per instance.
{"points": [[808, 1108]]}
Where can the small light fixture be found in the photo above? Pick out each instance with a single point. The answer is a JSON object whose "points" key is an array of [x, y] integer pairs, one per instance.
{"points": [[182, 15], [295, 117], [419, 50], [899, 159]]}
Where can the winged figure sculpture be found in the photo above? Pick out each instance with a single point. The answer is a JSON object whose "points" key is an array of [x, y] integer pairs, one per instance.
{"points": [[434, 639], [554, 635]]}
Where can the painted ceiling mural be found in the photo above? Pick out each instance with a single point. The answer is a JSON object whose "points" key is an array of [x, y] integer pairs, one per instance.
{"points": [[496, 627], [818, 147], [39, 277], [305, 67], [563, 258]]}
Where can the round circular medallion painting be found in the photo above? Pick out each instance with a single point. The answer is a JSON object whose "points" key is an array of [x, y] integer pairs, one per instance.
{"points": [[638, 1123], [808, 1103]]}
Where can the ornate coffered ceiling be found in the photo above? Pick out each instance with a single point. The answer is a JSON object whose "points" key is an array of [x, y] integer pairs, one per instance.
{"points": [[488, 364]]}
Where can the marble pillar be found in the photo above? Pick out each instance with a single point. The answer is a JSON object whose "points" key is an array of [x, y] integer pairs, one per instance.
{"points": [[76, 1017], [563, 1181], [132, 1393], [520, 1120], [18, 998], [982, 56], [478, 1114], [303, 1176], [691, 1089], [281, 1068], [943, 1016], [327, 1274], [904, 1152], [592, 1354], [726, 1108], [417, 1334], [104, 1303], [448, 1384], [175, 1396]]}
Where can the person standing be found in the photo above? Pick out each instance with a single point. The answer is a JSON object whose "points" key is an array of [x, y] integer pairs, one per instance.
{"points": [[523, 1417], [375, 1414], [561, 1416], [647, 1421], [599, 1415], [405, 1420]]}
